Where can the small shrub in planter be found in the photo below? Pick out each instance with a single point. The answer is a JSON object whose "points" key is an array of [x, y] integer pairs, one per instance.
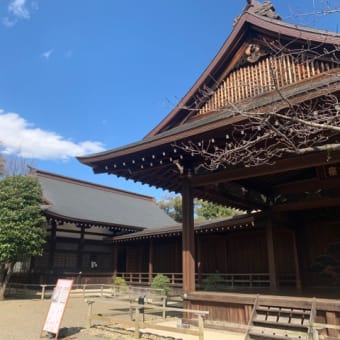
{"points": [[161, 281], [213, 282], [120, 284]]}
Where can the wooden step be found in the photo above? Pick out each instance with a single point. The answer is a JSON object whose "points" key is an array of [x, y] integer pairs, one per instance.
{"points": [[277, 322], [283, 310], [278, 325], [261, 333]]}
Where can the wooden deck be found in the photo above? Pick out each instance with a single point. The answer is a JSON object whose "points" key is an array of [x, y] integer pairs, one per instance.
{"points": [[233, 310]]}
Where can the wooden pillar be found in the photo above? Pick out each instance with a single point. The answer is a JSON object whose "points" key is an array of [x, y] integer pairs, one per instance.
{"points": [[198, 260], [271, 254], [53, 240], [80, 248], [296, 262], [188, 238], [150, 269], [115, 260]]}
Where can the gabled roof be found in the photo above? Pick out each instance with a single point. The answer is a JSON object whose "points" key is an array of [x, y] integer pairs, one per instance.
{"points": [[224, 61], [69, 199], [159, 160]]}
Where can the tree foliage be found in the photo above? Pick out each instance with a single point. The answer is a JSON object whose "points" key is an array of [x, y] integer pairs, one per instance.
{"points": [[207, 211], [21, 223], [172, 205], [203, 210]]}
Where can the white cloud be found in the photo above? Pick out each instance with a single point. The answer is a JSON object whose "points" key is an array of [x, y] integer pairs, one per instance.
{"points": [[21, 138], [18, 9], [46, 55]]}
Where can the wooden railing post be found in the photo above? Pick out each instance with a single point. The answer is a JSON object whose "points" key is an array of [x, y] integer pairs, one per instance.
{"points": [[89, 313], [43, 288], [200, 327], [137, 317]]}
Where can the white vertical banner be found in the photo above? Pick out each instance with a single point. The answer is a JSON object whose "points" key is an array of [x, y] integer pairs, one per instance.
{"points": [[59, 300]]}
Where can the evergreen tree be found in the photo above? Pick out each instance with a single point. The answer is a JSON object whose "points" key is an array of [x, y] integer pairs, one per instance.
{"points": [[22, 231]]}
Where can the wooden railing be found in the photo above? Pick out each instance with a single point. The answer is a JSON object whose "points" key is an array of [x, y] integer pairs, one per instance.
{"points": [[222, 279]]}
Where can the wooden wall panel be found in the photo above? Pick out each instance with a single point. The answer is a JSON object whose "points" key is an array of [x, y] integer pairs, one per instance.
{"points": [[318, 235], [167, 255], [239, 252], [283, 243], [213, 254], [247, 252]]}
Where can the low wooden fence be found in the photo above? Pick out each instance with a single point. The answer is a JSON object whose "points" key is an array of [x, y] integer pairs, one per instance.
{"points": [[137, 321], [44, 291]]}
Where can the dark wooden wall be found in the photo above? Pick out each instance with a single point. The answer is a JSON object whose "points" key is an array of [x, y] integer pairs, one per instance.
{"points": [[238, 252], [316, 232]]}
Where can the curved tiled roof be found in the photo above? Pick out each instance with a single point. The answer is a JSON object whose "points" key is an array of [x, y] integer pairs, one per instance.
{"points": [[78, 201]]}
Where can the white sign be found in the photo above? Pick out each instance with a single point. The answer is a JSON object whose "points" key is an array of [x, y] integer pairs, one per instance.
{"points": [[58, 303]]}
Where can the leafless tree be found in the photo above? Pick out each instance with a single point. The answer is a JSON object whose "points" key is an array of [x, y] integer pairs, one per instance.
{"points": [[14, 165], [2, 164]]}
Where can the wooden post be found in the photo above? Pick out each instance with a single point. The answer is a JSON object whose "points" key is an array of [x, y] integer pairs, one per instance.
{"points": [[80, 248], [137, 316], [271, 254], [89, 313], [296, 262], [188, 238], [150, 260], [198, 260], [200, 327], [115, 260], [52, 247], [332, 320]]}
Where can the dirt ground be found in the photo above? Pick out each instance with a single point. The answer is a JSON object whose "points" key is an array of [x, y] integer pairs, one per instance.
{"points": [[24, 320]]}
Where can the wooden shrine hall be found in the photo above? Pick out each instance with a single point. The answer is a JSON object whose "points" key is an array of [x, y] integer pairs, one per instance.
{"points": [[81, 219], [258, 131]]}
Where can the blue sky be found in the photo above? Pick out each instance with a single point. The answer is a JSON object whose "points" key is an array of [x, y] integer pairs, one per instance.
{"points": [[79, 77]]}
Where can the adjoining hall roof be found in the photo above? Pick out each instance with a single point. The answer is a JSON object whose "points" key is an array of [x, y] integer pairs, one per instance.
{"points": [[237, 222], [81, 202]]}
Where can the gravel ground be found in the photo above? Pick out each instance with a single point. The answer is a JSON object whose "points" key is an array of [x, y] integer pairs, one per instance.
{"points": [[24, 320]]}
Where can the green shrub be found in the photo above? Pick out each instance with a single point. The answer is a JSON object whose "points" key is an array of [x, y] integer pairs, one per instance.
{"points": [[119, 281], [120, 284], [161, 281], [213, 282]]}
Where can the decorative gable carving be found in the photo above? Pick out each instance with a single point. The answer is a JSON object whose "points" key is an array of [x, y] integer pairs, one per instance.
{"points": [[261, 74]]}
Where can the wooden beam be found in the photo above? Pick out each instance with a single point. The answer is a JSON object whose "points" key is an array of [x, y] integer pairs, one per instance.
{"points": [[188, 238], [306, 185], [284, 165], [307, 204]]}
